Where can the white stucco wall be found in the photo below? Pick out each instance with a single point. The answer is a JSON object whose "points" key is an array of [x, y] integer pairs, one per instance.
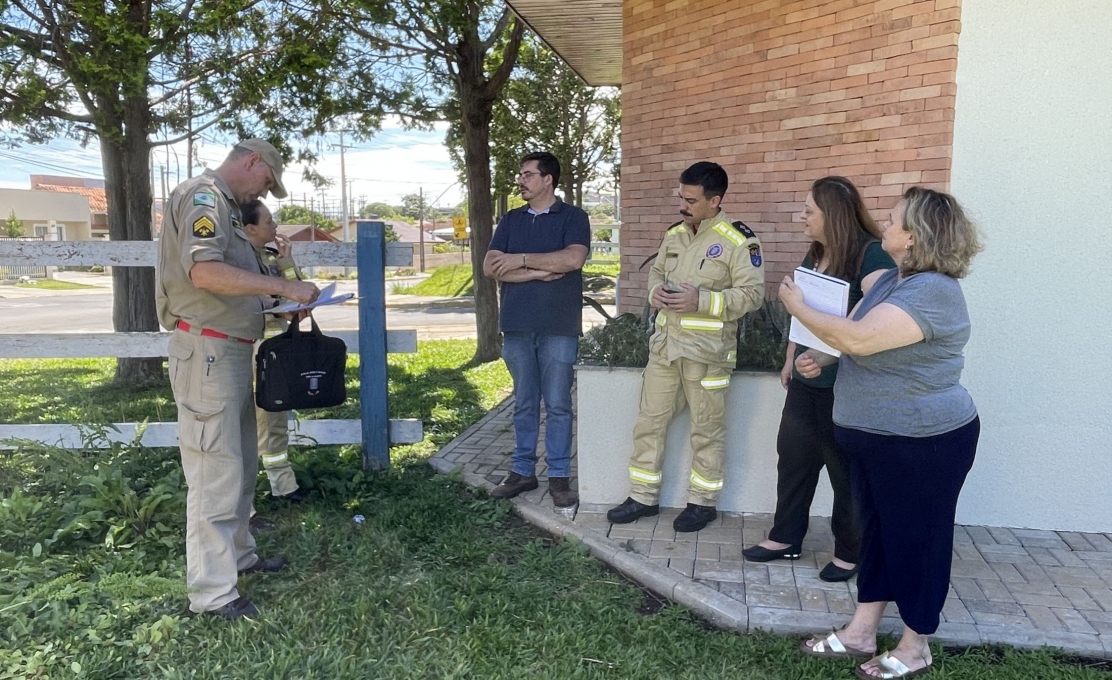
{"points": [[607, 409], [1033, 164], [42, 206]]}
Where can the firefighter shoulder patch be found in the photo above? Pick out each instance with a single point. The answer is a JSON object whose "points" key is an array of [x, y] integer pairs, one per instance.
{"points": [[744, 229], [203, 227], [755, 255]]}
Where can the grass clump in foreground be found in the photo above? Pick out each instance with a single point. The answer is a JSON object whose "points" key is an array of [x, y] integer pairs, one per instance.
{"points": [[437, 582], [455, 280]]}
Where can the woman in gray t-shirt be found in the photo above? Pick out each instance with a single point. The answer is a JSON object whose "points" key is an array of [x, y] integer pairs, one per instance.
{"points": [[907, 426]]}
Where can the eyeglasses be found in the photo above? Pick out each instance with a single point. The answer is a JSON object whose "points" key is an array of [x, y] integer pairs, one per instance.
{"points": [[527, 174]]}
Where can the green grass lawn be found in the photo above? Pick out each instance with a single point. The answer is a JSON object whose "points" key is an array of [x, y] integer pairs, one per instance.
{"points": [[51, 284], [455, 280], [437, 582]]}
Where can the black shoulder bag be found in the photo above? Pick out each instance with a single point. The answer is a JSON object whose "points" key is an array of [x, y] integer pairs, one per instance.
{"points": [[297, 370]]}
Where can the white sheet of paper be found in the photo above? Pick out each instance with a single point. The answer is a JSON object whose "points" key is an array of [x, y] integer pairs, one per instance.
{"points": [[327, 297], [824, 293]]}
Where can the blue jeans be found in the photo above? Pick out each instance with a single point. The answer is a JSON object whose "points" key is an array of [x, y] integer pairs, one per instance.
{"points": [[541, 365]]}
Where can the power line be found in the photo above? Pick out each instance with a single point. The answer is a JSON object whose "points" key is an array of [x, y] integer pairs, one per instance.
{"points": [[42, 164]]}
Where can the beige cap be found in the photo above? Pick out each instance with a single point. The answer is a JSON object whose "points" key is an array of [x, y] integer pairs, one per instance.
{"points": [[272, 158]]}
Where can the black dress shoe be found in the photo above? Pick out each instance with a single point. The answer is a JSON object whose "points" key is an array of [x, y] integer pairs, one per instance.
{"points": [[296, 496], [832, 573], [267, 565], [759, 553], [694, 518], [631, 511], [239, 608]]}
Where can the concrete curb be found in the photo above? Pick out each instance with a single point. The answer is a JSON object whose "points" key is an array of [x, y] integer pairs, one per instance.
{"points": [[712, 605], [707, 602]]}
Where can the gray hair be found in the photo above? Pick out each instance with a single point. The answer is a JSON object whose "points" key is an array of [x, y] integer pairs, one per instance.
{"points": [[238, 152]]}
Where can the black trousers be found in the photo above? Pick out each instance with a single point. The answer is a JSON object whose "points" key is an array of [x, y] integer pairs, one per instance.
{"points": [[805, 444], [907, 489]]}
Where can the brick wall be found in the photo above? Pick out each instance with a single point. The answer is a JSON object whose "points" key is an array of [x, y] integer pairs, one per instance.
{"points": [[780, 93]]}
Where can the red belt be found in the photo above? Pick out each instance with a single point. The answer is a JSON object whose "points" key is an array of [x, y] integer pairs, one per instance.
{"points": [[209, 333]]}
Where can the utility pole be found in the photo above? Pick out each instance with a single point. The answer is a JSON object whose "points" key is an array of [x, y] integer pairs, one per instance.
{"points": [[344, 215], [343, 188], [312, 226], [421, 224], [188, 116]]}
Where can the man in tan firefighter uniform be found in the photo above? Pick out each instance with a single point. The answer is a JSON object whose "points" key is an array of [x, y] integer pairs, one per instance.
{"points": [[210, 292], [707, 274], [273, 428]]}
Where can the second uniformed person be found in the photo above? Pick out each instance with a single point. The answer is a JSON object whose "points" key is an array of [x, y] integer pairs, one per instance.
{"points": [[211, 291], [273, 428], [707, 274]]}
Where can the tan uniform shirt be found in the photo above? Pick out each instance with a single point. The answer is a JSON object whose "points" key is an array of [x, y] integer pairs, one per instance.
{"points": [[202, 223], [726, 264]]}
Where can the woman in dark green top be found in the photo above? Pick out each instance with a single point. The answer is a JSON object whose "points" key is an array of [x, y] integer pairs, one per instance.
{"points": [[844, 244]]}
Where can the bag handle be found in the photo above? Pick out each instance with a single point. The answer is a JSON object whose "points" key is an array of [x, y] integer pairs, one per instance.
{"points": [[296, 333]]}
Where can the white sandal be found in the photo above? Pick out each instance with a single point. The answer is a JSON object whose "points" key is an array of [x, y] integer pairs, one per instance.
{"points": [[831, 647], [890, 668]]}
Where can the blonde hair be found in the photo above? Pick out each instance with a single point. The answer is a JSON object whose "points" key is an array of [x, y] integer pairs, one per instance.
{"points": [[946, 241]]}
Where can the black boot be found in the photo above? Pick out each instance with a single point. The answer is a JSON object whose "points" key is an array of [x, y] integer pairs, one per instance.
{"points": [[631, 511], [694, 518]]}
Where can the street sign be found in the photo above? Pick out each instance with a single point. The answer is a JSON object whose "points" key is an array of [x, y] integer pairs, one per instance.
{"points": [[459, 226]]}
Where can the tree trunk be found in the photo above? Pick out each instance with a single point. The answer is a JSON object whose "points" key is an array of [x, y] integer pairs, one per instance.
{"points": [[127, 184], [476, 117]]}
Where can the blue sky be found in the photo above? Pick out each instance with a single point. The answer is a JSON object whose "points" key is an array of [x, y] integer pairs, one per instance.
{"points": [[394, 163]]}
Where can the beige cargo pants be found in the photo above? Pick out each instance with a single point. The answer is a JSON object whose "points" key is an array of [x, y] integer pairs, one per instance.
{"points": [[665, 389], [212, 383], [274, 438]]}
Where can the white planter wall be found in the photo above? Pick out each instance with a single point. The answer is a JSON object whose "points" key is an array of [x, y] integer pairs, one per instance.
{"points": [[607, 409]]}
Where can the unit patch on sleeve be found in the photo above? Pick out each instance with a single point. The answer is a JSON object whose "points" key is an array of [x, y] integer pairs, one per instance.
{"points": [[755, 255], [204, 198], [714, 251], [203, 227]]}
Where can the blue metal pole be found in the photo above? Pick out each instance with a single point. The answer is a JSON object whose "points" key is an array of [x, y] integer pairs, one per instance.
{"points": [[373, 385]]}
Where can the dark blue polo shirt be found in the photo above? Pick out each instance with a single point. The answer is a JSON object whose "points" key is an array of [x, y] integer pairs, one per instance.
{"points": [[547, 307]]}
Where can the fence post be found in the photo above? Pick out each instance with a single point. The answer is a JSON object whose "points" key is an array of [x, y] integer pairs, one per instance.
{"points": [[373, 382]]}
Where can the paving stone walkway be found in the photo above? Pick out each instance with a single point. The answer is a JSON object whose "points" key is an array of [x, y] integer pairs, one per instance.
{"points": [[1021, 587]]}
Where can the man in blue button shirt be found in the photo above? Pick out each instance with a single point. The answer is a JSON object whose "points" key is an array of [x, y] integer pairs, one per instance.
{"points": [[537, 253]]}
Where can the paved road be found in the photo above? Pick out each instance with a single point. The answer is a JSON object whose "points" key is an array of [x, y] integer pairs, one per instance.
{"points": [[92, 312]]}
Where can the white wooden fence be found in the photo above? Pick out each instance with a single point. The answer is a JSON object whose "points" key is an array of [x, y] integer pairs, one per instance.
{"points": [[610, 248], [155, 344]]}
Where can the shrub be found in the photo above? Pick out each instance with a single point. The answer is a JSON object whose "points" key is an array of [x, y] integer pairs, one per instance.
{"points": [[624, 341]]}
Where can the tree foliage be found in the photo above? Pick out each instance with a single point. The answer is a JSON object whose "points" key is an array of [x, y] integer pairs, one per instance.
{"points": [[411, 206], [136, 74], [445, 60], [383, 210], [292, 213], [13, 228], [546, 106]]}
